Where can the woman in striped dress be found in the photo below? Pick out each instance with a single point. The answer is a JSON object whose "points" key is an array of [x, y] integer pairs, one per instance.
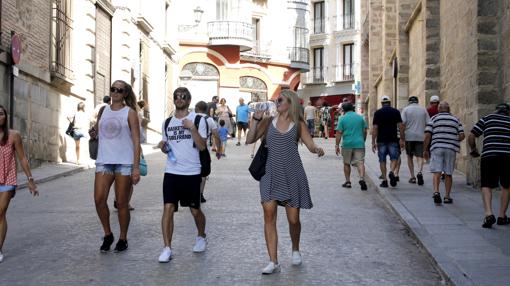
{"points": [[285, 181]]}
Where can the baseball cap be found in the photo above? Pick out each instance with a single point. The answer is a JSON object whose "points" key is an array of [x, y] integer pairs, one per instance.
{"points": [[434, 98], [385, 99]]}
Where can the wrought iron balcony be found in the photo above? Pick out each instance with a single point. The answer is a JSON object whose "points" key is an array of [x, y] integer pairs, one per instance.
{"points": [[299, 58], [316, 75], [346, 22], [319, 25], [345, 72], [259, 52], [233, 33]]}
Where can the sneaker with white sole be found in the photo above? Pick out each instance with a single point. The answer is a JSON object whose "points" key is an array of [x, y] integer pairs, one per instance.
{"points": [[296, 258], [271, 268], [1, 256], [200, 244], [165, 255]]}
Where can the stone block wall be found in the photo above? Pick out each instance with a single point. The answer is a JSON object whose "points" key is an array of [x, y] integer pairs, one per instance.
{"points": [[375, 52], [505, 47], [417, 56]]}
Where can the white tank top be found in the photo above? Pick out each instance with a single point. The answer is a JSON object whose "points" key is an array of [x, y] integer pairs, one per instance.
{"points": [[115, 142]]}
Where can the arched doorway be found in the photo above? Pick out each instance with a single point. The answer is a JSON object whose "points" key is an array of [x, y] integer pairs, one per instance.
{"points": [[202, 81], [254, 86]]}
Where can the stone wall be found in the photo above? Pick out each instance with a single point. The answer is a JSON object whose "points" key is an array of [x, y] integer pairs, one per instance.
{"points": [[416, 34], [375, 52], [505, 47]]}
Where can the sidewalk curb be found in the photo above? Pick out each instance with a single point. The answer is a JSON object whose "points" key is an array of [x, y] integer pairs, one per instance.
{"points": [[449, 270], [56, 176]]}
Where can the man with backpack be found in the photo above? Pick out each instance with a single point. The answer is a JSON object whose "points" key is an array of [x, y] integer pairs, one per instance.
{"points": [[212, 133], [184, 142]]}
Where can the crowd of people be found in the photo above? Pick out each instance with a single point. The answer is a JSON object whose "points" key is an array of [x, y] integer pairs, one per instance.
{"points": [[424, 134]]}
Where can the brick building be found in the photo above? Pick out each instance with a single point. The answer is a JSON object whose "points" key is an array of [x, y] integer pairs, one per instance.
{"points": [[457, 49]]}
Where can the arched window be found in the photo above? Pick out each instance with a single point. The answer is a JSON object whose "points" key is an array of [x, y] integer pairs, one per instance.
{"points": [[255, 86], [200, 71]]}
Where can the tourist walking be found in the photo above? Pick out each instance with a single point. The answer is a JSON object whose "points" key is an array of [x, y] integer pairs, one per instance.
{"points": [[433, 106], [443, 135], [184, 135], [242, 118], [223, 112], [415, 119], [224, 135], [351, 131], [106, 101], [212, 134], [81, 126], [211, 111], [285, 182], [495, 129], [11, 146], [310, 111], [325, 119], [386, 124], [118, 160]]}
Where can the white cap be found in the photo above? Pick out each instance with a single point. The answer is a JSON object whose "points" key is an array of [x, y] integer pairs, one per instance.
{"points": [[434, 98], [385, 99]]}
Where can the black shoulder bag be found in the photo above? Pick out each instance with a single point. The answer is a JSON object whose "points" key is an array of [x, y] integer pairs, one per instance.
{"points": [[258, 164]]}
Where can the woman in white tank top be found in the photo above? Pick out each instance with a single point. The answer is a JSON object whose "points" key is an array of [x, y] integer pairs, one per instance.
{"points": [[118, 160]]}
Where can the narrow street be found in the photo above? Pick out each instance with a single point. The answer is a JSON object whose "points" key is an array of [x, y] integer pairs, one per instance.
{"points": [[348, 238]]}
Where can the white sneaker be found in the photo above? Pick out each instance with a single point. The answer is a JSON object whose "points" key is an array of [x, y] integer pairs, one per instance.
{"points": [[200, 244], [1, 256], [296, 258], [165, 255], [271, 268]]}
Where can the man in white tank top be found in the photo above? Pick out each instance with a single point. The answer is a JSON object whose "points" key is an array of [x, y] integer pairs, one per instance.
{"points": [[182, 141]]}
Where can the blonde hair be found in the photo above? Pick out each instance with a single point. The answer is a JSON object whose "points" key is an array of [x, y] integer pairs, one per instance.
{"points": [[295, 107]]}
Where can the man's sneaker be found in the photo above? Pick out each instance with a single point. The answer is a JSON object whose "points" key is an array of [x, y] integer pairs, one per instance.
{"points": [[271, 268], [107, 242], [121, 245], [200, 244], [488, 221], [503, 220], [165, 255], [384, 184], [437, 198], [393, 179], [296, 258], [1, 257], [419, 176], [363, 185], [202, 198]]}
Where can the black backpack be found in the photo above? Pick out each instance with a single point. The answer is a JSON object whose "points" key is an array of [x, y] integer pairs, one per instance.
{"points": [[205, 157]]}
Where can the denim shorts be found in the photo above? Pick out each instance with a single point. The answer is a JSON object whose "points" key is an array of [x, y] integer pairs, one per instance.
{"points": [[78, 134], [123, 169], [385, 149], [7, 188]]}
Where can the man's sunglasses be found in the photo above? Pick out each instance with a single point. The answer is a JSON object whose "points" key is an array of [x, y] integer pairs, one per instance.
{"points": [[117, 90], [181, 96]]}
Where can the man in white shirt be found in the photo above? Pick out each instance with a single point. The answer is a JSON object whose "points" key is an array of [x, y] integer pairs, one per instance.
{"points": [[310, 117], [182, 140], [212, 131]]}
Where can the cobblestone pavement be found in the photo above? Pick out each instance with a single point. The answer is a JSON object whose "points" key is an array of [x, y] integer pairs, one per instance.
{"points": [[348, 238]]}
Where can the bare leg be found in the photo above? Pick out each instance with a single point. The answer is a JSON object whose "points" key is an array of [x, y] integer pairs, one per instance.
{"points": [[487, 200], [167, 224], [202, 185], [410, 164], [448, 182], [5, 199], [122, 190], [420, 162], [382, 165], [347, 172], [505, 199], [393, 166], [294, 226], [77, 145], [436, 180], [270, 212], [397, 169], [361, 169], [199, 217], [102, 184]]}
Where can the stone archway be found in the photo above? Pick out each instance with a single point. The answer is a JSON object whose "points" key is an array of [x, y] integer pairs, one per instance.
{"points": [[255, 86], [202, 80]]}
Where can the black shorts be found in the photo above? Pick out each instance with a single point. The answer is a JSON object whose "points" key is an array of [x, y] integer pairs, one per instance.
{"points": [[183, 189], [242, 125], [414, 148], [494, 172]]}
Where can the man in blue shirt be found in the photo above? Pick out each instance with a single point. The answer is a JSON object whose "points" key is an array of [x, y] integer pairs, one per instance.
{"points": [[243, 117]]}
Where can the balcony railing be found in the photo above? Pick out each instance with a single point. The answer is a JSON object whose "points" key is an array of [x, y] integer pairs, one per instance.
{"points": [[315, 75], [319, 25], [345, 72], [258, 51], [346, 22], [299, 54], [231, 33]]}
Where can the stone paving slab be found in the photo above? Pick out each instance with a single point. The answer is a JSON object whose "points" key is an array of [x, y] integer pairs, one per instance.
{"points": [[452, 234]]}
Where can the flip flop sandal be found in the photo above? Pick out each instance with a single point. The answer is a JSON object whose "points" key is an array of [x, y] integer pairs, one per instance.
{"points": [[447, 200], [412, 180], [347, 185]]}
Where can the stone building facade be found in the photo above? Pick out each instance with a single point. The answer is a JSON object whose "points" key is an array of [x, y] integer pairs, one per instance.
{"points": [[457, 49], [71, 53]]}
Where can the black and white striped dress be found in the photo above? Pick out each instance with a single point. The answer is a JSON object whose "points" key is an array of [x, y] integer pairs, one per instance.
{"points": [[285, 179]]}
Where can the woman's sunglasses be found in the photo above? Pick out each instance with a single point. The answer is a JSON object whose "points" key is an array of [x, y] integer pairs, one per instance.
{"points": [[117, 90], [280, 99]]}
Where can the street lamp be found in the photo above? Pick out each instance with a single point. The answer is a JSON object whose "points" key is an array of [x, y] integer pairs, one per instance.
{"points": [[198, 15]]}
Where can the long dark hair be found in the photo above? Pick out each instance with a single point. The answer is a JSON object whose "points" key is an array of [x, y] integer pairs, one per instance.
{"points": [[4, 127], [130, 99]]}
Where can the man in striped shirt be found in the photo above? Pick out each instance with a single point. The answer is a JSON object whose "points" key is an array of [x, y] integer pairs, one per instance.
{"points": [[443, 134], [495, 129]]}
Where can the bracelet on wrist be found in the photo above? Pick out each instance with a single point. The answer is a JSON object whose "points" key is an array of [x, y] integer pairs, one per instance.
{"points": [[30, 178]]}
